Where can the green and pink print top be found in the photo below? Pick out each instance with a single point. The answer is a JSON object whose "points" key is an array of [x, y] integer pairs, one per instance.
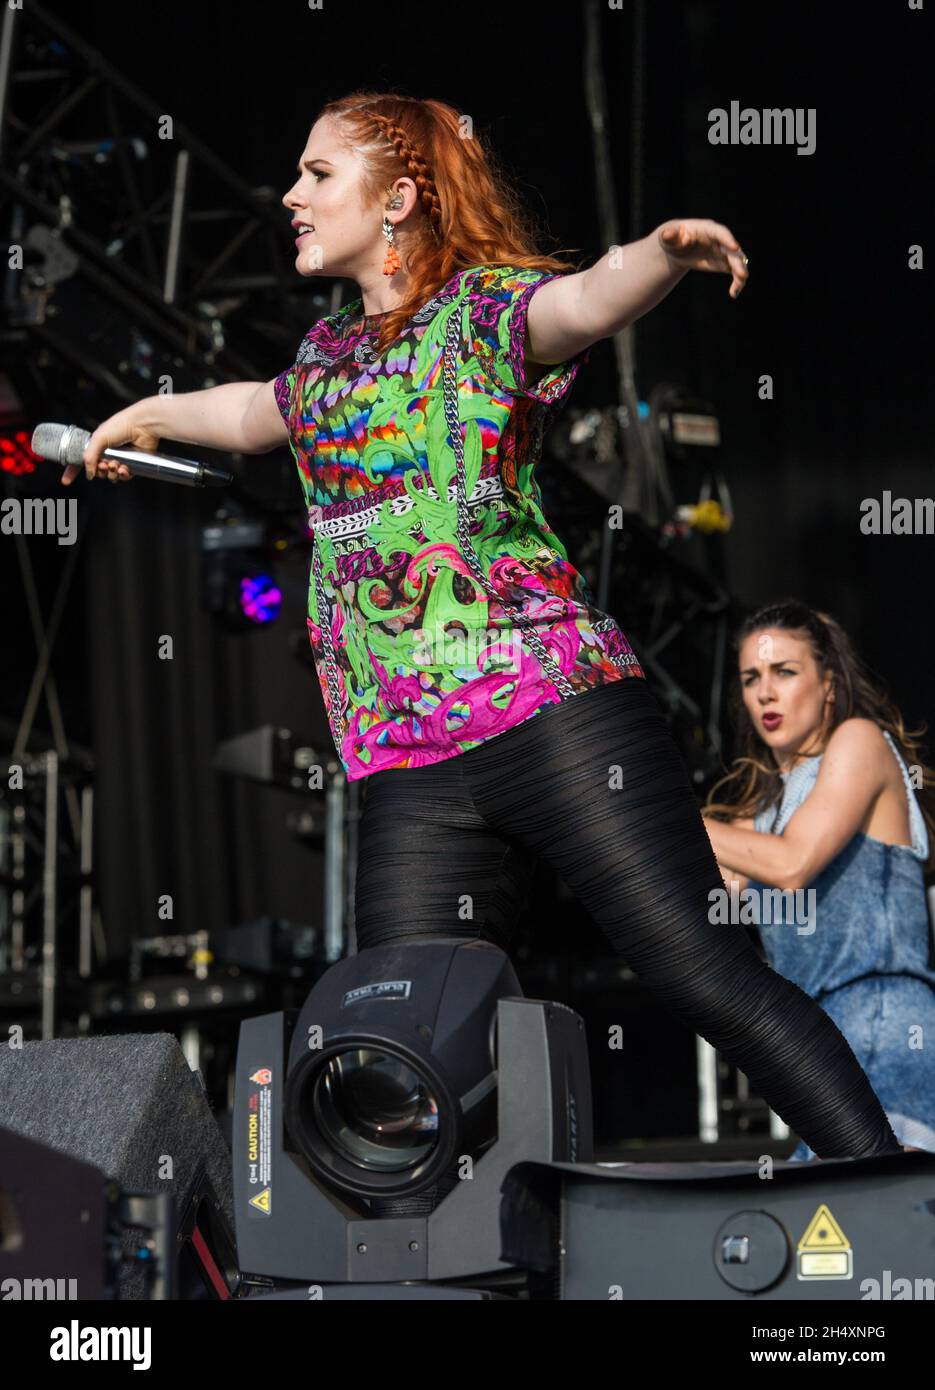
{"points": [[440, 613]]}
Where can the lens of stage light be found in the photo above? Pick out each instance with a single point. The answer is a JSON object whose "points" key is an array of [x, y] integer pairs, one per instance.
{"points": [[375, 1110]]}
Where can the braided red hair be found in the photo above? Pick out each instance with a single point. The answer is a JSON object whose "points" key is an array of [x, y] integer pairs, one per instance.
{"points": [[469, 213]]}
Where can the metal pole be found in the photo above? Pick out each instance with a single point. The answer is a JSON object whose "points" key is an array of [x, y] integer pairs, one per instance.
{"points": [[6, 62], [708, 1112], [634, 482], [48, 982], [354, 799], [18, 838], [176, 218], [6, 888], [335, 798], [86, 894]]}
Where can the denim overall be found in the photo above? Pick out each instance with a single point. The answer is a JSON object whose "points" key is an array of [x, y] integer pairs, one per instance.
{"points": [[865, 955]]}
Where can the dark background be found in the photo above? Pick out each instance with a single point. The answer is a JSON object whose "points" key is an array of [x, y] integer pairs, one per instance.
{"points": [[832, 313]]}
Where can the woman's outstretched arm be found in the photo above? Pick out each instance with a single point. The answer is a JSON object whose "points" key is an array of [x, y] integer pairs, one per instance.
{"points": [[570, 313], [241, 416]]}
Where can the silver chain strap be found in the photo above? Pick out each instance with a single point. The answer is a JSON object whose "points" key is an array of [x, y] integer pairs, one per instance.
{"points": [[331, 666], [522, 620]]}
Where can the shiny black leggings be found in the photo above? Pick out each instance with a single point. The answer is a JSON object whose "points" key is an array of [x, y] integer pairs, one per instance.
{"points": [[596, 787]]}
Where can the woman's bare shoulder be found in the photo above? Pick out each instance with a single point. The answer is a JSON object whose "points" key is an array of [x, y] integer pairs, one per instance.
{"points": [[859, 737]]}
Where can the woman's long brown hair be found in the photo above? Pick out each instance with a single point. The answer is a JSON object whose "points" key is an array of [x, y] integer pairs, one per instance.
{"points": [[468, 212], [754, 783]]}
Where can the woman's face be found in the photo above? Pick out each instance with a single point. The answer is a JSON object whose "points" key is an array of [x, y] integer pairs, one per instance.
{"points": [[346, 239], [783, 691]]}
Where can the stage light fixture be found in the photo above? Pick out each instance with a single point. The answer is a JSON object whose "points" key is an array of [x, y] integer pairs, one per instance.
{"points": [[16, 455], [374, 1127], [260, 597], [391, 1074]]}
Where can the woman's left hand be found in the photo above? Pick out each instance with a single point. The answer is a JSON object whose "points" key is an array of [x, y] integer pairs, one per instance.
{"points": [[697, 243]]}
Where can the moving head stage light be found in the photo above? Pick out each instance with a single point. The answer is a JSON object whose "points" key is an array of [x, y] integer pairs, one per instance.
{"points": [[373, 1128]]}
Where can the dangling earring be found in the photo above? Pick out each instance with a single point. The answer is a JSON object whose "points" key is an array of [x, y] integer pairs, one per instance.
{"points": [[392, 262]]}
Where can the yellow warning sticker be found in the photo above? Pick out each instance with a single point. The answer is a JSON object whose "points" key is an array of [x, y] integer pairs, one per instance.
{"points": [[261, 1201], [824, 1252]]}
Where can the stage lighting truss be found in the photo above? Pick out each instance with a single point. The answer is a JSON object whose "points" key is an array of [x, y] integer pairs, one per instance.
{"points": [[137, 252]]}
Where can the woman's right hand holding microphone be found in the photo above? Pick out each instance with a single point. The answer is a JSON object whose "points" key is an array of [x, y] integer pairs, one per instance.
{"points": [[132, 428]]}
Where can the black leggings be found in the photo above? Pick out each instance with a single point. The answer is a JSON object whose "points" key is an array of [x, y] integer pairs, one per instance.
{"points": [[597, 788]]}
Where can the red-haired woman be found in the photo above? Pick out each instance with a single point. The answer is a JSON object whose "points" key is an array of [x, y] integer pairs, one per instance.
{"points": [[823, 807], [496, 714]]}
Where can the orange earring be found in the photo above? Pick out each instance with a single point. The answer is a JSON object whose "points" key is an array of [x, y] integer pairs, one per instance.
{"points": [[392, 262]]}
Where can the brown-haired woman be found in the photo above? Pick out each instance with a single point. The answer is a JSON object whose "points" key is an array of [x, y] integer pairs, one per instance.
{"points": [[822, 802], [497, 715]]}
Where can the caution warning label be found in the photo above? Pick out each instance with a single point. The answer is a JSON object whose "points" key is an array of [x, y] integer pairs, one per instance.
{"points": [[259, 1139], [824, 1252]]}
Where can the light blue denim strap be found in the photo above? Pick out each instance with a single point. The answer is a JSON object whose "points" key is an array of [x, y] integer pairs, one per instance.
{"points": [[799, 783], [917, 826]]}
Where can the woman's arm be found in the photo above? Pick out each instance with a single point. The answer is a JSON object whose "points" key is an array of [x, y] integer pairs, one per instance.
{"points": [[853, 772], [263, 425], [239, 416], [727, 874], [570, 313]]}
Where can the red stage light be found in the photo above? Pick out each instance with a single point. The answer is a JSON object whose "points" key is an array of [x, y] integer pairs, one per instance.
{"points": [[16, 455]]}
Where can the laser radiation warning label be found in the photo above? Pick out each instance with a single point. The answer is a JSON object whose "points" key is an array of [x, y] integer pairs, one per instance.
{"points": [[259, 1139], [824, 1252]]}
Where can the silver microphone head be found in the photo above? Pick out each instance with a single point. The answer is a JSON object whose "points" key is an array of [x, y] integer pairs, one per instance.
{"points": [[62, 444]]}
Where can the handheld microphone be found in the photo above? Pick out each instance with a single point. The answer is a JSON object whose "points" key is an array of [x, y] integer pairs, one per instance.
{"points": [[65, 444]]}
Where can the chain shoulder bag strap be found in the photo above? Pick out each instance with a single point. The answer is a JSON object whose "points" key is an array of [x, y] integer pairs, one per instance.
{"points": [[524, 623], [337, 703]]}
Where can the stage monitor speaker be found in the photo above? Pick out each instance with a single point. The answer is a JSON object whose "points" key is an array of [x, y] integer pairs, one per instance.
{"points": [[131, 1106]]}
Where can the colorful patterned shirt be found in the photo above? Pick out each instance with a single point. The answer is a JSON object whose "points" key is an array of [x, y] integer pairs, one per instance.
{"points": [[441, 612]]}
